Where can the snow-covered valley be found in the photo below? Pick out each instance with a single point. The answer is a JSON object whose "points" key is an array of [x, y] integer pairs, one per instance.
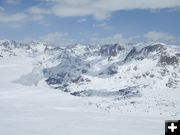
{"points": [[98, 95]]}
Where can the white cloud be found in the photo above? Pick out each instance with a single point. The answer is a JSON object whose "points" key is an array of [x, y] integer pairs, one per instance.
{"points": [[152, 36], [98, 9], [102, 9], [38, 10], [17, 17], [117, 38], [12, 1], [82, 20], [102, 26], [57, 38], [38, 17], [162, 37], [63, 39]]}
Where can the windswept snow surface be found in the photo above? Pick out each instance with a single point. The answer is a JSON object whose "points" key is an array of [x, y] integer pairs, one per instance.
{"points": [[39, 110]]}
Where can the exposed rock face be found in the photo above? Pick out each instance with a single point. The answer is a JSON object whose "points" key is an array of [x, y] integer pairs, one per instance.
{"points": [[177, 54], [69, 70], [157, 49], [78, 79], [169, 60], [131, 54], [111, 50], [172, 83], [111, 70], [125, 93]]}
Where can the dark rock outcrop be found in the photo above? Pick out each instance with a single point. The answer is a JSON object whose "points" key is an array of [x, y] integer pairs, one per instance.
{"points": [[125, 93], [145, 52], [131, 54], [111, 50], [168, 60]]}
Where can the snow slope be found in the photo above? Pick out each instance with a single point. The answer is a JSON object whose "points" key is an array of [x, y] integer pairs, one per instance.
{"points": [[39, 110]]}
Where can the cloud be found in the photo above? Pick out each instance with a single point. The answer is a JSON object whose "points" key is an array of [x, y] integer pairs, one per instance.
{"points": [[13, 1], [38, 10], [17, 17], [63, 39], [152, 36], [102, 9], [57, 38], [103, 25], [98, 9], [82, 20], [162, 37], [38, 17], [116, 38]]}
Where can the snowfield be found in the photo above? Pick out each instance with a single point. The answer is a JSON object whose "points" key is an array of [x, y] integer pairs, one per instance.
{"points": [[83, 91], [39, 110]]}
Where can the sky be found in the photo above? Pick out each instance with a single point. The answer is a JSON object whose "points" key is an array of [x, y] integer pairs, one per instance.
{"points": [[63, 22]]}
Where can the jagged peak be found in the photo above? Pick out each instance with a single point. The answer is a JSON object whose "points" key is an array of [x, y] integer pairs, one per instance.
{"points": [[111, 49]]}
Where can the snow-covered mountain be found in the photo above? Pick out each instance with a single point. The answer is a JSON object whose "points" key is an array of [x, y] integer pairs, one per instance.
{"points": [[149, 72], [80, 65], [102, 89], [90, 68]]}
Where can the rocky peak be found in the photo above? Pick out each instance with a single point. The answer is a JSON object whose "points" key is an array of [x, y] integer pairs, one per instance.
{"points": [[111, 49], [152, 50], [159, 48], [131, 54]]}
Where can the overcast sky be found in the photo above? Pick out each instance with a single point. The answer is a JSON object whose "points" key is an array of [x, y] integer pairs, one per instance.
{"points": [[90, 21]]}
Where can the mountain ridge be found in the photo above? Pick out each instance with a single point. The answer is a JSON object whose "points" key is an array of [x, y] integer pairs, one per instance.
{"points": [[139, 75], [105, 61]]}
